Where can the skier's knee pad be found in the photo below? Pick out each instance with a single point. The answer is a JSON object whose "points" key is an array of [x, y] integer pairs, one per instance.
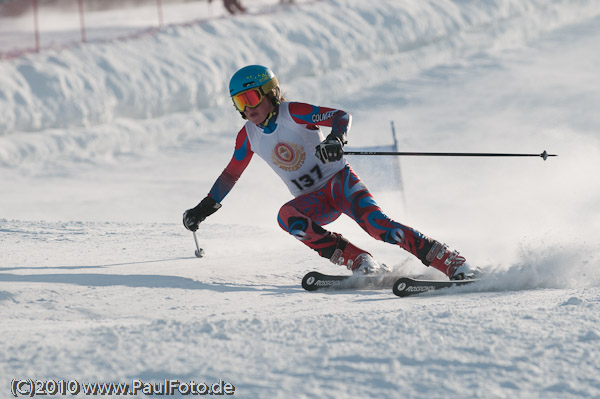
{"points": [[292, 220], [298, 224]]}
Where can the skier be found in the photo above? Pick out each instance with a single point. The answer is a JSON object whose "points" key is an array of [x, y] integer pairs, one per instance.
{"points": [[288, 137]]}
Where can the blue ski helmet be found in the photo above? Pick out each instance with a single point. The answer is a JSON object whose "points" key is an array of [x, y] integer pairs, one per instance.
{"points": [[252, 76]]}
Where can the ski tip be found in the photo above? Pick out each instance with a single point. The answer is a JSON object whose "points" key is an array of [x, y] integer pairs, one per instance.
{"points": [[310, 280], [400, 287]]}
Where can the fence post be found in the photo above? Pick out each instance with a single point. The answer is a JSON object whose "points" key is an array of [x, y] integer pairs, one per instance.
{"points": [[160, 13], [36, 26], [82, 22]]}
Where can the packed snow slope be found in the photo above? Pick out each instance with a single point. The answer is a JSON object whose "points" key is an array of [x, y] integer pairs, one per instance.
{"points": [[102, 147]]}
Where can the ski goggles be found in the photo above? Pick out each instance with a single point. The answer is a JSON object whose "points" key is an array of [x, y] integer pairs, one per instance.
{"points": [[251, 98]]}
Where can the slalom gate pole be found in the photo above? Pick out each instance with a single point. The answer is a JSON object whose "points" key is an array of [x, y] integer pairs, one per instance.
{"points": [[544, 155]]}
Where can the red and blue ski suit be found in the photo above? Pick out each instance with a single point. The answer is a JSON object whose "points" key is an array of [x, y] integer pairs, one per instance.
{"points": [[322, 191]]}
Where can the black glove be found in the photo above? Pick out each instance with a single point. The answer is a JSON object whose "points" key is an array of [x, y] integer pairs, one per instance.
{"points": [[330, 149], [193, 217]]}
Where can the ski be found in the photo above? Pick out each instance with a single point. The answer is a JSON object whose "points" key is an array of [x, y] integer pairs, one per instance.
{"points": [[314, 281], [406, 286]]}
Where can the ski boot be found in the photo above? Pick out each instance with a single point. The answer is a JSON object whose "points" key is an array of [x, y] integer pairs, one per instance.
{"points": [[451, 264], [356, 259]]}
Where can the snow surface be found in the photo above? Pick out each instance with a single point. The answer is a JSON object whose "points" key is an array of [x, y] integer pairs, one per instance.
{"points": [[103, 146]]}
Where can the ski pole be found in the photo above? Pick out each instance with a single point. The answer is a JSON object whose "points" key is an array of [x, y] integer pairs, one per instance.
{"points": [[199, 251], [544, 155]]}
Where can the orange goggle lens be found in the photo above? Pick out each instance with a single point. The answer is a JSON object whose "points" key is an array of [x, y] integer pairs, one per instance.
{"points": [[250, 98]]}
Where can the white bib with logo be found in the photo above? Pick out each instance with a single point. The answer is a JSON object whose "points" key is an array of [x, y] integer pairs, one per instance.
{"points": [[290, 151]]}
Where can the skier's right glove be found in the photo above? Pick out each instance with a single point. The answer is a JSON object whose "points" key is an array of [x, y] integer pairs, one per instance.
{"points": [[193, 217], [330, 149]]}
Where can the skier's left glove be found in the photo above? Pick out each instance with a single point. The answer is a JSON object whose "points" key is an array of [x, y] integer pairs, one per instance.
{"points": [[193, 217], [330, 149]]}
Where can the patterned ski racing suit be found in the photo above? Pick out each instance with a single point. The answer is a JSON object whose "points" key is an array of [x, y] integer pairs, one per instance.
{"points": [[322, 191]]}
